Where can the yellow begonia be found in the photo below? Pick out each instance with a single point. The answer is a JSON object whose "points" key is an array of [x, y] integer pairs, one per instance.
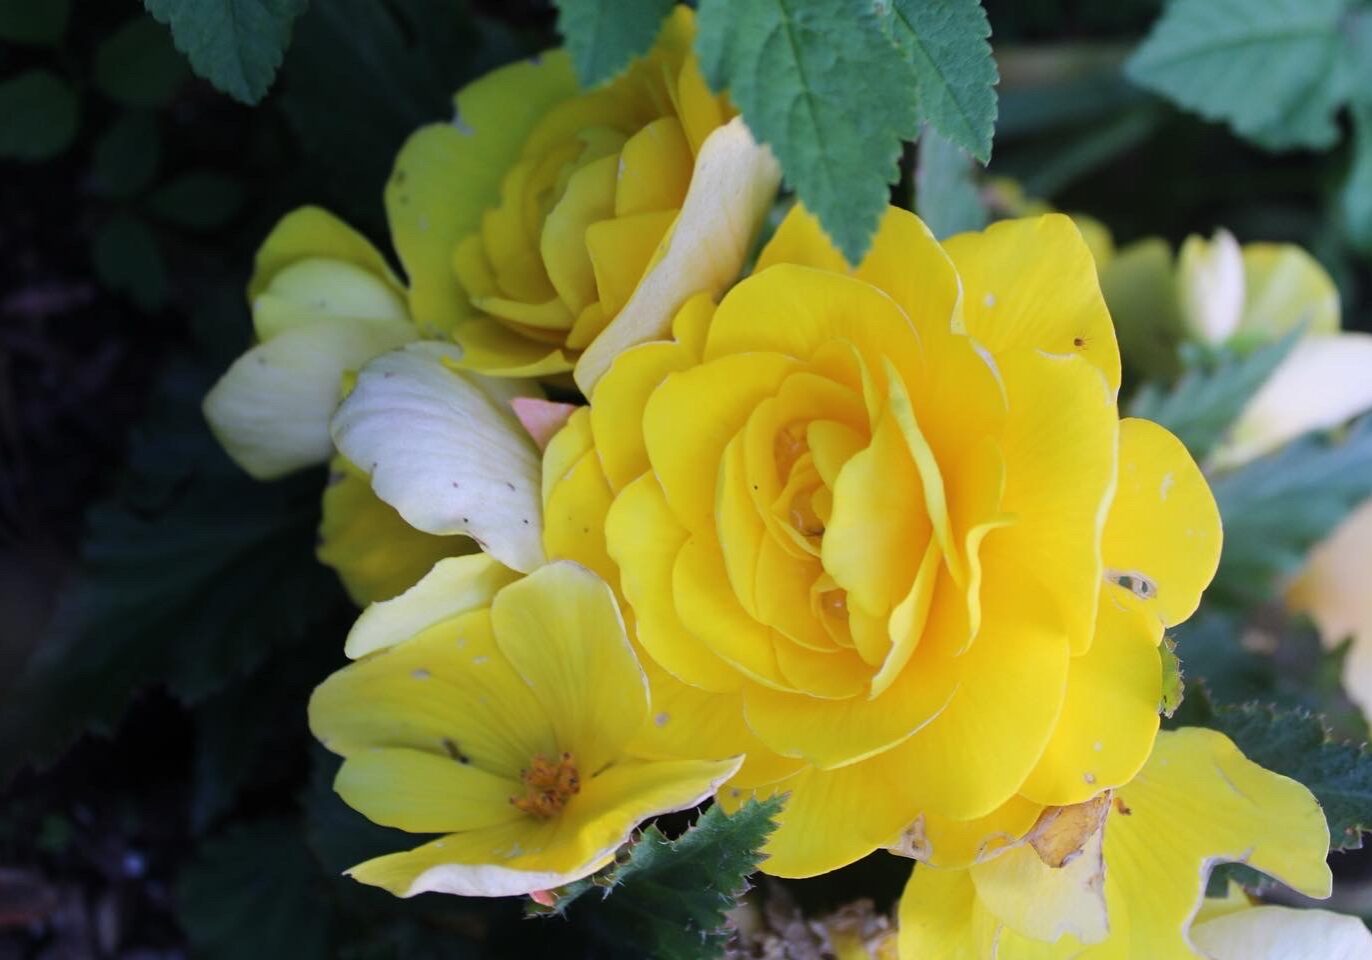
{"points": [[498, 712], [1131, 881], [888, 520], [546, 216]]}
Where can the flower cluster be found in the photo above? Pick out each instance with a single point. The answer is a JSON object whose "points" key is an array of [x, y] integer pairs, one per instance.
{"points": [[872, 537]]}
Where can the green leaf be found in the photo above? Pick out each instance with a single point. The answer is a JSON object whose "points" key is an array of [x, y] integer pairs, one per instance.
{"points": [[955, 77], [237, 45], [138, 66], [255, 892], [1296, 744], [669, 898], [1207, 399], [946, 197], [128, 261], [1276, 508], [37, 22], [1140, 288], [126, 155], [199, 200], [1355, 199], [1274, 70], [38, 116], [604, 35], [191, 573], [823, 85], [1173, 682]]}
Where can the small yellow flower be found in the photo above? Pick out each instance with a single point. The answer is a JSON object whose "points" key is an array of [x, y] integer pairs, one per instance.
{"points": [[498, 711], [888, 521], [1124, 881], [546, 216]]}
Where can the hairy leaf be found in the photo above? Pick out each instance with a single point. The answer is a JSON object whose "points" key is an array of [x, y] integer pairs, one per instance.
{"points": [[1208, 398], [669, 897], [237, 45], [821, 83], [1274, 70], [1277, 507], [604, 35], [955, 77], [946, 197]]}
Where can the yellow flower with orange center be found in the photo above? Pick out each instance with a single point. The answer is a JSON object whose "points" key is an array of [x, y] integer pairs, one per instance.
{"points": [[888, 520]]}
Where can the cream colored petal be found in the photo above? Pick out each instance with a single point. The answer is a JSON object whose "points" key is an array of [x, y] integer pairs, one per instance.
{"points": [[1210, 285], [446, 451], [270, 410], [731, 189], [1283, 933]]}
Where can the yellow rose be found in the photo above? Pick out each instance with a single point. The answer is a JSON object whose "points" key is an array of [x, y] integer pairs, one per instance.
{"points": [[885, 525], [545, 216]]}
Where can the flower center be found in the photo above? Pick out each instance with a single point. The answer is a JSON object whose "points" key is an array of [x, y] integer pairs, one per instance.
{"points": [[548, 785]]}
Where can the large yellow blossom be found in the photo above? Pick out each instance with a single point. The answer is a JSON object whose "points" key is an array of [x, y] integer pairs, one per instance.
{"points": [[889, 522], [497, 711], [546, 215], [1122, 878]]}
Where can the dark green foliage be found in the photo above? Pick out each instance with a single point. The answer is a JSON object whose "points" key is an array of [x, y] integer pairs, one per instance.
{"points": [[668, 898], [235, 44], [604, 35], [1201, 406], [255, 891], [38, 115], [1277, 507], [138, 66]]}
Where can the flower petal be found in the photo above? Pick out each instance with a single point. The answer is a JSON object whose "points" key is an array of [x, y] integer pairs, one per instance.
{"points": [[270, 410], [1283, 933], [731, 190], [940, 918], [446, 175], [422, 792], [1322, 382], [1284, 287], [1162, 537], [313, 232], [454, 585], [560, 627], [1032, 284], [1110, 716], [449, 456], [447, 691]]}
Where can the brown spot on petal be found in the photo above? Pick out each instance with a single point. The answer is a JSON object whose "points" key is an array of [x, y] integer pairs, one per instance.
{"points": [[1061, 833]]}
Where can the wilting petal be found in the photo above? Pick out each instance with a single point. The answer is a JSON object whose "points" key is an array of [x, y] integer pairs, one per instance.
{"points": [[271, 409], [449, 456]]}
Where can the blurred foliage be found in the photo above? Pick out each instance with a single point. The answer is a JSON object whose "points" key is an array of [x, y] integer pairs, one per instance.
{"points": [[156, 596]]}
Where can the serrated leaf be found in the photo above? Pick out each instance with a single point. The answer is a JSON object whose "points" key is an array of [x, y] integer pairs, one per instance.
{"points": [[38, 116], [138, 66], [821, 83], [1297, 744], [1208, 398], [191, 573], [946, 198], [1272, 69], [668, 899], [1277, 507], [237, 45], [604, 35], [255, 892], [955, 77]]}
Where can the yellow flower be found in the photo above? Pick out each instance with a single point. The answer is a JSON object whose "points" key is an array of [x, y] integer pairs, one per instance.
{"points": [[1121, 878], [890, 519], [497, 712], [546, 216], [324, 302]]}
